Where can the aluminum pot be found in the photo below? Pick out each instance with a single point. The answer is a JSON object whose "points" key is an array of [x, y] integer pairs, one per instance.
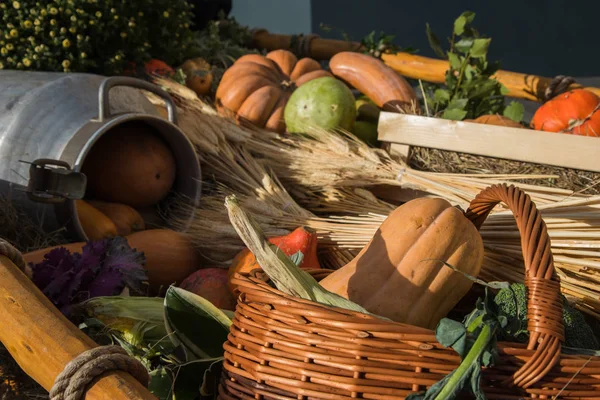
{"points": [[50, 121]]}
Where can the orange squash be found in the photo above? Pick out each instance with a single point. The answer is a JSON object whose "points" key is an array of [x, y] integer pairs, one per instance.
{"points": [[495, 119], [256, 88], [576, 112], [126, 218], [399, 274], [131, 165], [370, 76], [170, 256], [199, 77], [301, 240], [94, 223]]}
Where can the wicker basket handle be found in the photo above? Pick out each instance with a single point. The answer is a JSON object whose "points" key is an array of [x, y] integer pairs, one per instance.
{"points": [[544, 302]]}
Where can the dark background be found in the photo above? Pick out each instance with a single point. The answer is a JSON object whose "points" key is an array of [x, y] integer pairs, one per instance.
{"points": [[545, 38]]}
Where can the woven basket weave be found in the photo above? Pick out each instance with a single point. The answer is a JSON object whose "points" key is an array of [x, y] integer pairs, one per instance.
{"points": [[282, 347]]}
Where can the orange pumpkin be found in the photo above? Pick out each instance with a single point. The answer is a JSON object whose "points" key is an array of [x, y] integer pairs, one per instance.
{"points": [[576, 112], [300, 240], [198, 75], [496, 119], [256, 88]]}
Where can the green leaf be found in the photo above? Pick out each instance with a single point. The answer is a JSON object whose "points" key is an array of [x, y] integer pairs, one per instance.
{"points": [[434, 42], [464, 45], [455, 61], [515, 111], [441, 95], [455, 114], [470, 73], [503, 89], [463, 20], [195, 323], [452, 333], [480, 47], [211, 379], [161, 383]]}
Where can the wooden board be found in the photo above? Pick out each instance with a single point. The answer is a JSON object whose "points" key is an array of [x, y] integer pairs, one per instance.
{"points": [[563, 150]]}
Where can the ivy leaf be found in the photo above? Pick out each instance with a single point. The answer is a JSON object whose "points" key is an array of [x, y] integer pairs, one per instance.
{"points": [[463, 20], [434, 42], [515, 111], [454, 114], [480, 47]]}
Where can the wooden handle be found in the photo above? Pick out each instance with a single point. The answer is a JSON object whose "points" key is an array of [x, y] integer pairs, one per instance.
{"points": [[42, 340], [521, 86]]}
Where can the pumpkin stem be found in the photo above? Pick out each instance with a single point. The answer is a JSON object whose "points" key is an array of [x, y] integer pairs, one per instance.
{"points": [[288, 85]]}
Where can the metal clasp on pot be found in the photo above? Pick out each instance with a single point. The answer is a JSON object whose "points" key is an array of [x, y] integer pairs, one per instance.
{"points": [[54, 184]]}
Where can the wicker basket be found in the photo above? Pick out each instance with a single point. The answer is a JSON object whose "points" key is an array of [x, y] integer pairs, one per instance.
{"points": [[282, 347]]}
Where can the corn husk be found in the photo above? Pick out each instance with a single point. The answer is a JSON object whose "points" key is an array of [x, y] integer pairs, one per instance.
{"points": [[286, 275]]}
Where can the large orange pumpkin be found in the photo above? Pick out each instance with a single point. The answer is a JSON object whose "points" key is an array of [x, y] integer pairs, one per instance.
{"points": [[256, 88], [576, 112]]}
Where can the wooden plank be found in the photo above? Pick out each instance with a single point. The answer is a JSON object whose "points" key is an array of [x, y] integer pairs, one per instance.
{"points": [[563, 150]]}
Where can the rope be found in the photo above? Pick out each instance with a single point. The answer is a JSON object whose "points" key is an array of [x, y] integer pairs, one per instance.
{"points": [[559, 85], [300, 44], [72, 382], [11, 252]]}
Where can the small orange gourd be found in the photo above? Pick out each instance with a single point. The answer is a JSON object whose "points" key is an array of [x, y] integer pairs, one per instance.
{"points": [[199, 76], [126, 218], [95, 224], [495, 119], [300, 239], [400, 274]]}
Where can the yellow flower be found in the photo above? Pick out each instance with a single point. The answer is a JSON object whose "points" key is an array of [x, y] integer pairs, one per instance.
{"points": [[26, 62], [83, 55], [116, 17], [10, 26], [72, 29], [14, 33], [113, 10], [98, 14], [73, 18], [27, 24], [53, 11], [66, 43], [16, 4], [2, 5], [131, 24], [4, 51], [91, 22], [52, 34], [79, 37], [9, 46], [19, 65], [66, 63], [43, 13], [123, 35], [35, 57], [36, 22], [52, 22], [141, 14], [166, 14], [1, 65], [117, 57], [63, 30]]}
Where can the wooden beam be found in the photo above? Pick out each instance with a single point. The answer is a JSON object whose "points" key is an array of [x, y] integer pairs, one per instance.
{"points": [[558, 149]]}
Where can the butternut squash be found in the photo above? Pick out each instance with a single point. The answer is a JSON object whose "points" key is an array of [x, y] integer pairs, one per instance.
{"points": [[95, 224], [43, 341], [300, 239], [170, 256], [370, 76], [131, 165], [400, 274], [126, 218]]}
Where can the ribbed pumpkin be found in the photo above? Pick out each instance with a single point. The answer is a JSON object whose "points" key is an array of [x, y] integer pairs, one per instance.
{"points": [[256, 88], [399, 274]]}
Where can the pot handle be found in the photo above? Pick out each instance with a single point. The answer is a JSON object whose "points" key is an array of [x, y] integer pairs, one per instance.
{"points": [[111, 82]]}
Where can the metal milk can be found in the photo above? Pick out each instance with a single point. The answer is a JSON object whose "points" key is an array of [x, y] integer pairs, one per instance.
{"points": [[50, 121]]}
